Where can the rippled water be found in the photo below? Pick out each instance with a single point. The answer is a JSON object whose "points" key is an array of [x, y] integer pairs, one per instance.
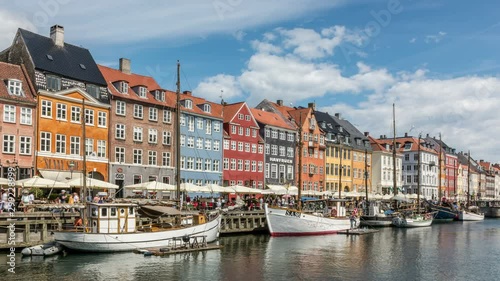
{"points": [[452, 251]]}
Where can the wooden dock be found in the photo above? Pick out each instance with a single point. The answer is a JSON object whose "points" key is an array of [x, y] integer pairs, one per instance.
{"points": [[358, 231], [178, 245]]}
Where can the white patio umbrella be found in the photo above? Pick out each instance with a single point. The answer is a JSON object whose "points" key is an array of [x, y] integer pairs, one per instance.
{"points": [[151, 185], [4, 181], [245, 190], [41, 183], [215, 188], [92, 183], [189, 187]]}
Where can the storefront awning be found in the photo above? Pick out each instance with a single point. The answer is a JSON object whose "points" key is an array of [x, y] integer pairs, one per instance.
{"points": [[61, 176]]}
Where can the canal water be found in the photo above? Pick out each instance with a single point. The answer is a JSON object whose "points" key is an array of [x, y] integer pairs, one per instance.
{"points": [[451, 251]]}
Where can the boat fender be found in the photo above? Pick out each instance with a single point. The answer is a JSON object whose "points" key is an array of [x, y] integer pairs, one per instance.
{"points": [[427, 216]]}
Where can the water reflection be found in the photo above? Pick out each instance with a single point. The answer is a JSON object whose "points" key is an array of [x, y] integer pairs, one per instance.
{"points": [[454, 251]]}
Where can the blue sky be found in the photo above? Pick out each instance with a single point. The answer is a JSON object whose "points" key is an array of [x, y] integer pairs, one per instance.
{"points": [[437, 60]]}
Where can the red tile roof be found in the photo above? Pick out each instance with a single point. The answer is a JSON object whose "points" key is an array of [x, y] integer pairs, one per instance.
{"points": [[113, 75], [403, 140], [230, 111], [12, 71], [216, 108], [270, 118]]}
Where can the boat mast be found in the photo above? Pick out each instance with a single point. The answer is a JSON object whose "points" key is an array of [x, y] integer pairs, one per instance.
{"points": [[418, 172], [468, 178], [366, 174], [177, 141], [340, 167], [394, 174], [301, 147], [84, 136], [440, 160]]}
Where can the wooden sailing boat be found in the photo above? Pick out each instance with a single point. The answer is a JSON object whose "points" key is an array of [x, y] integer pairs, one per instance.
{"points": [[415, 219], [112, 227], [470, 213], [375, 215], [317, 217]]}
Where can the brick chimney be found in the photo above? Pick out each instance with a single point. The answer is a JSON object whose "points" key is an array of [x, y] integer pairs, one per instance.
{"points": [[337, 115], [187, 93], [367, 134], [312, 105], [279, 102], [57, 35], [125, 65]]}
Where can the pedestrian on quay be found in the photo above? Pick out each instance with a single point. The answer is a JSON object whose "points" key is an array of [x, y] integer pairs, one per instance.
{"points": [[63, 197], [353, 217]]}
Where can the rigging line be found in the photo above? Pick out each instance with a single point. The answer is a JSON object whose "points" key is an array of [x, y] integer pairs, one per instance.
{"points": [[186, 79]]}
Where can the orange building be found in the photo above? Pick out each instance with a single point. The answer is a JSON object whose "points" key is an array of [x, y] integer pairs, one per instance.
{"points": [[61, 131]]}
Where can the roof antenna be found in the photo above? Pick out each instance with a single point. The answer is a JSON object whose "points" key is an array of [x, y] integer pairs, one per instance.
{"points": [[221, 99]]}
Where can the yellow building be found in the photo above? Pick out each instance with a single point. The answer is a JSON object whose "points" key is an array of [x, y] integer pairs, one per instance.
{"points": [[61, 153]]}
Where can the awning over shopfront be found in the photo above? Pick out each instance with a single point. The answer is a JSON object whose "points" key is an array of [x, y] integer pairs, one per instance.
{"points": [[61, 176]]}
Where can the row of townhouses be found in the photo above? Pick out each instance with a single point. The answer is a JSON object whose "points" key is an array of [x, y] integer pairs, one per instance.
{"points": [[64, 115]]}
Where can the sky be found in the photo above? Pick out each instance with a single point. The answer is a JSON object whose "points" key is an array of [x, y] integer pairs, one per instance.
{"points": [[436, 60]]}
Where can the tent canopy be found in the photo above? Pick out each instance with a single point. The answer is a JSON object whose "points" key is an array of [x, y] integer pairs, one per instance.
{"points": [[92, 183], [41, 183], [152, 185]]}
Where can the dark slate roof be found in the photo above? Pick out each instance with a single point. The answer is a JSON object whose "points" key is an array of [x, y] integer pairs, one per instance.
{"points": [[348, 130], [66, 60], [331, 125]]}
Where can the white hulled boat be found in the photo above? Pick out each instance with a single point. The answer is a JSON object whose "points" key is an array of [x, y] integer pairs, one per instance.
{"points": [[412, 221], [470, 215], [291, 222], [112, 227]]}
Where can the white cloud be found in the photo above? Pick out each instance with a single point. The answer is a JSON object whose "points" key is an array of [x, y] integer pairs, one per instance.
{"points": [[435, 38], [309, 44], [413, 40], [462, 109], [214, 87], [104, 21], [239, 35], [10, 23]]}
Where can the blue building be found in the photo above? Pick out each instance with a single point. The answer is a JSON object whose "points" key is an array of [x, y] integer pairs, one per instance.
{"points": [[200, 140]]}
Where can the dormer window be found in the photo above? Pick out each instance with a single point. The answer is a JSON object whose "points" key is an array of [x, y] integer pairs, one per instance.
{"points": [[15, 87], [407, 146], [53, 83], [207, 108], [159, 95], [142, 92], [188, 104], [123, 87]]}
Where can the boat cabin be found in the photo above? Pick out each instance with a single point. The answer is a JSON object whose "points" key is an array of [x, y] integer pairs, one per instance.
{"points": [[338, 207], [111, 217]]}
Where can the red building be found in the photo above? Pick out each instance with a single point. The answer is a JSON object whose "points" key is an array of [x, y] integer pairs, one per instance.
{"points": [[243, 152]]}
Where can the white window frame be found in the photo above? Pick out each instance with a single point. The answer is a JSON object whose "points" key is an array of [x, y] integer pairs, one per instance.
{"points": [[153, 114], [74, 145], [26, 116], [9, 144], [25, 145], [120, 131], [138, 111], [61, 111], [102, 119], [76, 114], [121, 108], [9, 113]]}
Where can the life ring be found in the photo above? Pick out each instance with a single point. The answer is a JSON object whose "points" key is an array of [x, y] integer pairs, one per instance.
{"points": [[334, 213], [427, 216]]}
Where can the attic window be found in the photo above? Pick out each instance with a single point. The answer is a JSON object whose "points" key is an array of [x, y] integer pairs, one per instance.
{"points": [[82, 66], [15, 87], [49, 57], [159, 95], [142, 92], [124, 87], [188, 104], [207, 108]]}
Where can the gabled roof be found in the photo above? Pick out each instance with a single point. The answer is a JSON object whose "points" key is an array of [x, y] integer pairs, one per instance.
{"points": [[270, 118], [66, 61], [379, 145], [230, 111], [114, 75], [216, 109], [12, 71]]}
